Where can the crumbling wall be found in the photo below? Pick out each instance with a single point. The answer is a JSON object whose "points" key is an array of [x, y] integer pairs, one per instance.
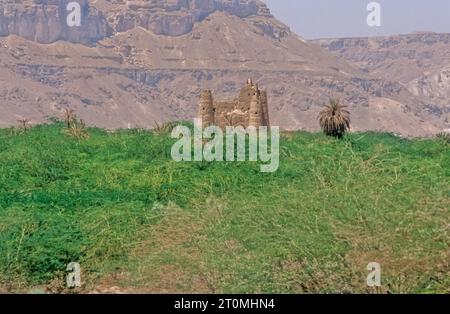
{"points": [[250, 108], [205, 108], [221, 110]]}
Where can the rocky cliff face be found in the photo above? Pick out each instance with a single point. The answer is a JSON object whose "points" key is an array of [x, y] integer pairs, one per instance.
{"points": [[420, 61], [137, 62], [44, 21], [175, 18]]}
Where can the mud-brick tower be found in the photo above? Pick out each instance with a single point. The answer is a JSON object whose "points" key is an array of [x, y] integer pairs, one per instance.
{"points": [[264, 108], [255, 112], [206, 108], [250, 108]]}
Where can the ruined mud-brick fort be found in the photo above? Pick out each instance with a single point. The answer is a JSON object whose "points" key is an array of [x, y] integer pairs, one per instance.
{"points": [[249, 109]]}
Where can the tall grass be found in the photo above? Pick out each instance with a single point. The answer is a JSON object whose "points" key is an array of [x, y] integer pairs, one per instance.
{"points": [[313, 226]]}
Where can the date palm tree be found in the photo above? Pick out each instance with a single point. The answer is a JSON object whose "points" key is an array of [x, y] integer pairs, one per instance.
{"points": [[24, 124], [166, 127], [78, 129], [69, 117], [444, 137], [335, 119]]}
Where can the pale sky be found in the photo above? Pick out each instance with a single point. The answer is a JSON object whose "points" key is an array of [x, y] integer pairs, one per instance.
{"points": [[348, 18]]}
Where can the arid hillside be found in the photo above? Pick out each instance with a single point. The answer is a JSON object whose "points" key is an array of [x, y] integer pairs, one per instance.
{"points": [[420, 62], [132, 63]]}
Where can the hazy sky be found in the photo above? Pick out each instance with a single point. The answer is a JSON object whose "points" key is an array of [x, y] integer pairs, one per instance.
{"points": [[348, 18]]}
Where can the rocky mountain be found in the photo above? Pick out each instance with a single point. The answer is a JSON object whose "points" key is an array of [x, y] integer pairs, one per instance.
{"points": [[137, 62], [44, 21], [420, 62]]}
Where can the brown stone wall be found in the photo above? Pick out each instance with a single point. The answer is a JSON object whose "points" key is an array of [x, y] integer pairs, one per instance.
{"points": [[206, 109], [221, 110], [245, 97], [250, 108], [265, 108]]}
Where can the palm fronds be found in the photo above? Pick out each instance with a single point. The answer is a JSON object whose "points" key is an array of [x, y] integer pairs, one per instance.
{"points": [[334, 119], [444, 137], [164, 127], [69, 117], [78, 129], [24, 124]]}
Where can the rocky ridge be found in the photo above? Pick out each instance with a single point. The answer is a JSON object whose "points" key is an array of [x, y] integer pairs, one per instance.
{"points": [[419, 61], [44, 21], [135, 63]]}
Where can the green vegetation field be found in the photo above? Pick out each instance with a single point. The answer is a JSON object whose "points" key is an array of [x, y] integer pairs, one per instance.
{"points": [[137, 221]]}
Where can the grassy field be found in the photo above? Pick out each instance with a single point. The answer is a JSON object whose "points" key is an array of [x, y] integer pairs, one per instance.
{"points": [[137, 221]]}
